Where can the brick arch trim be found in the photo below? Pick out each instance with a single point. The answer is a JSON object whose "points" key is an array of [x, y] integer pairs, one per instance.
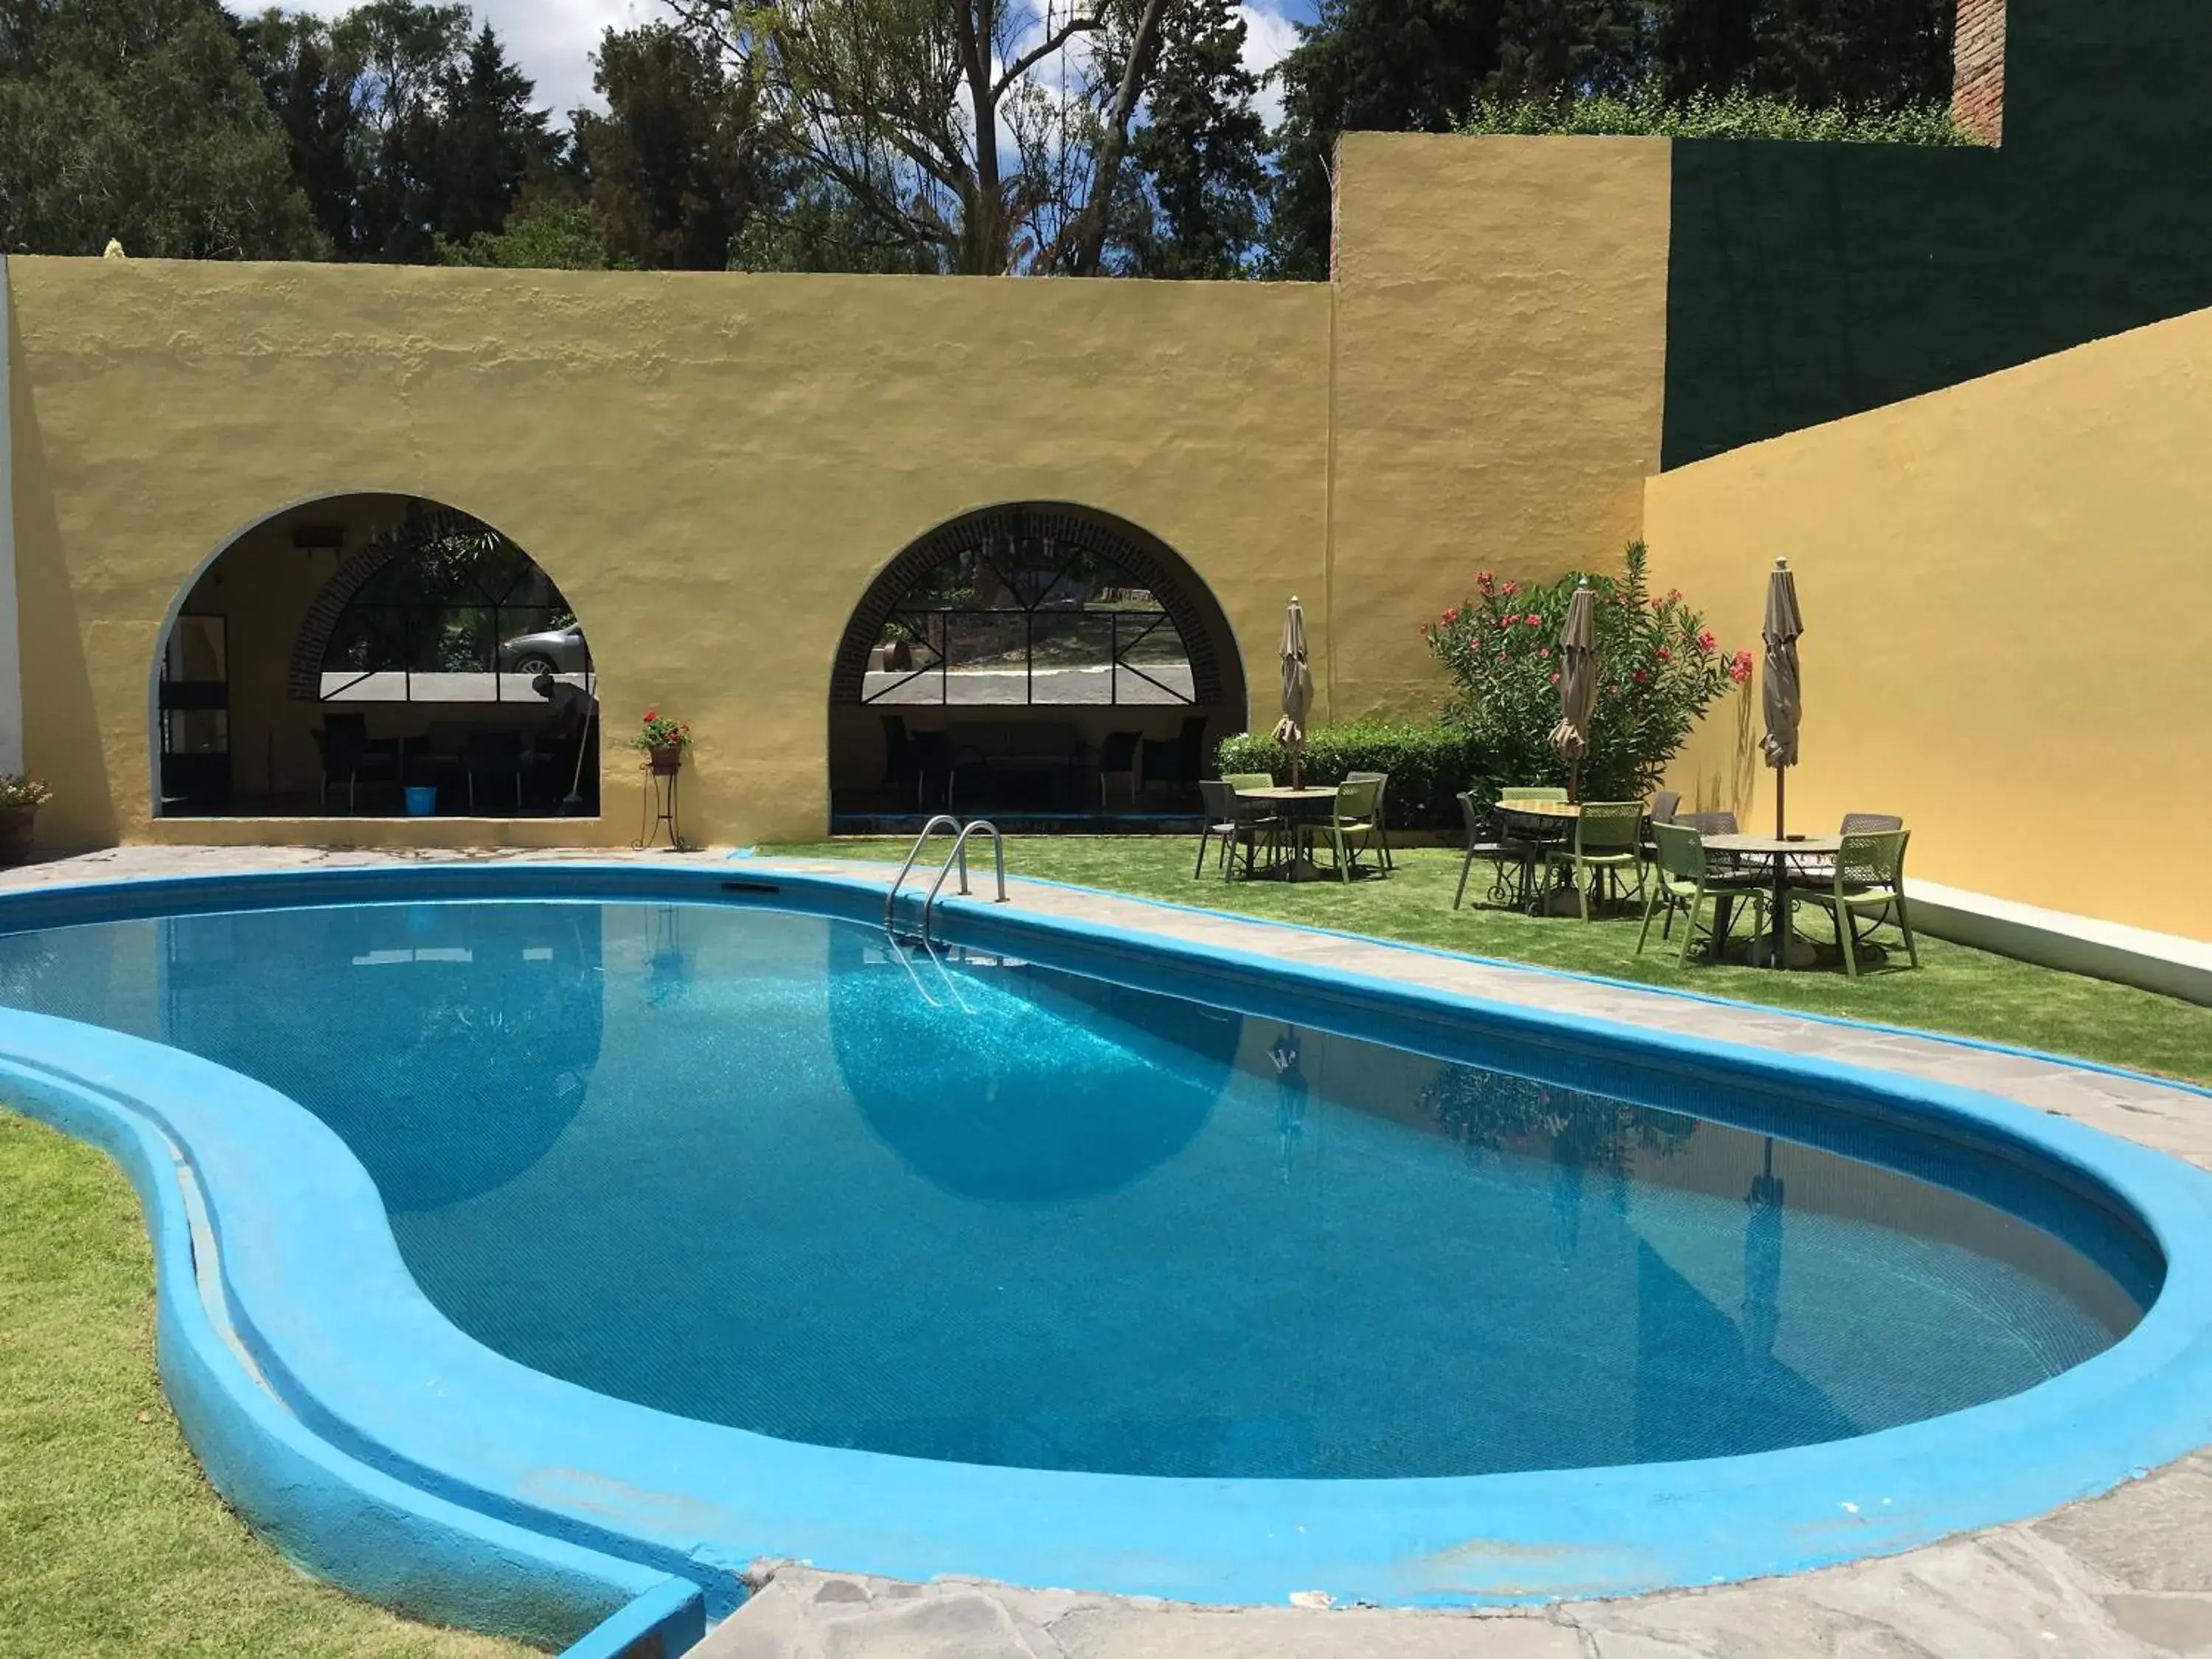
{"points": [[431, 524], [1179, 589]]}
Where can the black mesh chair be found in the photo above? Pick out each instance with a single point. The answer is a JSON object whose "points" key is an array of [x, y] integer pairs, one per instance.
{"points": [[931, 753], [493, 754], [349, 754], [1117, 758]]}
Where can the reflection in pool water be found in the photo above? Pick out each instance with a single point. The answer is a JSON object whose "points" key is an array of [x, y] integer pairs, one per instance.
{"points": [[756, 1167]]}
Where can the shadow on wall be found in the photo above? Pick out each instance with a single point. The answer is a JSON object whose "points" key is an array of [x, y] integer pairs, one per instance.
{"points": [[61, 738], [1807, 282]]}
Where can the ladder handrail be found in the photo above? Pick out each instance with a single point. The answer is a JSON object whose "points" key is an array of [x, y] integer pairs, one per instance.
{"points": [[914, 852], [960, 851]]}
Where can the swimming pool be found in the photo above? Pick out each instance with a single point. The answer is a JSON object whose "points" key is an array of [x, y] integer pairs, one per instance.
{"points": [[686, 1218], [764, 1168]]}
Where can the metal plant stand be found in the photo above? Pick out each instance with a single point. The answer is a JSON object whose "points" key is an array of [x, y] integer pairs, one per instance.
{"points": [[660, 802]]}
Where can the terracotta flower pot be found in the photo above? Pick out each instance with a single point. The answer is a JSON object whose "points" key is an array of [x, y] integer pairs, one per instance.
{"points": [[16, 833], [666, 761]]}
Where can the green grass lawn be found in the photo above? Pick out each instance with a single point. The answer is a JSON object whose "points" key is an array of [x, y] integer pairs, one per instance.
{"points": [[111, 1542], [1967, 992]]}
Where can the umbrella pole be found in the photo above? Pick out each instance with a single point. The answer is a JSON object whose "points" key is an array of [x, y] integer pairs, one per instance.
{"points": [[1574, 780], [1780, 773]]}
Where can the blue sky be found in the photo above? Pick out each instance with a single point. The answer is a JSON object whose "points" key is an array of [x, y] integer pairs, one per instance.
{"points": [[552, 39]]}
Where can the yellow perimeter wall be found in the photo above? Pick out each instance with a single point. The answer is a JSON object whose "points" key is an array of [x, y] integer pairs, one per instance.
{"points": [[712, 467], [2007, 639]]}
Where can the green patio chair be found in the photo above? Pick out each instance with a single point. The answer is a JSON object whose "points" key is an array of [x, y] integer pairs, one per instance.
{"points": [[1506, 856], [1685, 879], [1351, 826], [1867, 879], [1382, 782], [1531, 792], [1236, 824], [1249, 780], [1604, 842]]}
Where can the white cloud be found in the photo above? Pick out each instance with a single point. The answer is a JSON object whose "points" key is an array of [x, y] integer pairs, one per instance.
{"points": [[552, 39], [1269, 37]]}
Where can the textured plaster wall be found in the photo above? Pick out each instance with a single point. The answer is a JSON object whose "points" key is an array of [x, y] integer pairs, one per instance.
{"points": [[1501, 318], [711, 467], [2005, 639]]}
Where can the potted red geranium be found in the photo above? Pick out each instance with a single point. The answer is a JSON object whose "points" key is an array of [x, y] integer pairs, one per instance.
{"points": [[20, 797], [663, 739]]}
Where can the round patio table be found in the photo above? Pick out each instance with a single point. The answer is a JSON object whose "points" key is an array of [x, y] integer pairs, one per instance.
{"points": [[1778, 853], [1542, 825], [1299, 806]]}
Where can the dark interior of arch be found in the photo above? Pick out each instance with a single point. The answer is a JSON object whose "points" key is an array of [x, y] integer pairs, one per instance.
{"points": [[1037, 656]]}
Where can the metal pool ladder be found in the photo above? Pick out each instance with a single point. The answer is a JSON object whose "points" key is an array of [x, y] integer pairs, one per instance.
{"points": [[958, 856]]}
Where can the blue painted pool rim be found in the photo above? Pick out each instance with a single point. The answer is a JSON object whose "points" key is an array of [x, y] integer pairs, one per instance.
{"points": [[380, 1445]]}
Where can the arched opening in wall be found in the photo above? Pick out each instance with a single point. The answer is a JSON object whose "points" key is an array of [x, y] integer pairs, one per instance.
{"points": [[1037, 660], [375, 655]]}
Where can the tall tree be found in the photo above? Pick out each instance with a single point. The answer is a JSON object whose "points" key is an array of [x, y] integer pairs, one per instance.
{"points": [[1367, 65], [677, 163], [312, 101], [1199, 161], [491, 141], [138, 119], [947, 124]]}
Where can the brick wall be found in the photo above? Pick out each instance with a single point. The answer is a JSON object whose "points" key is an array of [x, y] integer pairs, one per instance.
{"points": [[1978, 67]]}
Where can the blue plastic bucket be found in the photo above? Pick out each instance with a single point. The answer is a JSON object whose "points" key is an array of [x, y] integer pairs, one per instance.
{"points": [[421, 799]]}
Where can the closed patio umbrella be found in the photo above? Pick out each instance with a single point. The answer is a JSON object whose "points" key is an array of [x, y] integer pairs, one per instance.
{"points": [[1780, 694], [1578, 684], [1297, 688]]}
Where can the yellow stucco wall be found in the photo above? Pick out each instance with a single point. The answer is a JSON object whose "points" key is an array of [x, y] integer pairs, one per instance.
{"points": [[1499, 378], [2007, 641], [712, 467]]}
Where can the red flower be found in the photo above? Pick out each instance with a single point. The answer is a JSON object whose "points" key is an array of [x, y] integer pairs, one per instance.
{"points": [[1665, 655], [1543, 650], [1511, 588], [1555, 678], [1706, 641], [1534, 621], [1675, 594], [1485, 580], [1501, 656], [1739, 670], [1641, 677], [653, 713], [1505, 622], [1451, 614]]}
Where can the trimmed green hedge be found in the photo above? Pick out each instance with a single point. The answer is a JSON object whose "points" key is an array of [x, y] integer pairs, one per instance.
{"points": [[1428, 765]]}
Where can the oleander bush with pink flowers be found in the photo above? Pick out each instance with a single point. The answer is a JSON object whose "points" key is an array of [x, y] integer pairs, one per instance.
{"points": [[1659, 669]]}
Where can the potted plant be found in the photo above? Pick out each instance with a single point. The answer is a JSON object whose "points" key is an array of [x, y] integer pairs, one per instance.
{"points": [[663, 739], [20, 797]]}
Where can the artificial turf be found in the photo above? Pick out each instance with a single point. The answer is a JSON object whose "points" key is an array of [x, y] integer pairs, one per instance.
{"points": [[113, 1545], [1958, 990]]}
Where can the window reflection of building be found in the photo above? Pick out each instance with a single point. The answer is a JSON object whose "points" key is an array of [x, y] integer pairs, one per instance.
{"points": [[448, 1045]]}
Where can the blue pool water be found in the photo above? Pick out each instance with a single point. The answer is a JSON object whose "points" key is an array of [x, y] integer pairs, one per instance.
{"points": [[753, 1166]]}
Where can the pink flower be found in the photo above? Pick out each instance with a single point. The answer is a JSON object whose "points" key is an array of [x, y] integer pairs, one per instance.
{"points": [[1485, 580], [1555, 677], [1534, 621], [1739, 670], [1543, 650], [1665, 655], [1501, 656], [1706, 641], [1511, 588], [1451, 615], [1505, 622], [1675, 594]]}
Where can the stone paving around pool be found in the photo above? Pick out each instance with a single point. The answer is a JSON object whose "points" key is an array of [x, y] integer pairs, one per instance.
{"points": [[2128, 1574]]}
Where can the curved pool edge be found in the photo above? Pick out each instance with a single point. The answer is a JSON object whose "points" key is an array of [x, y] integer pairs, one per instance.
{"points": [[328, 1514], [663, 1490]]}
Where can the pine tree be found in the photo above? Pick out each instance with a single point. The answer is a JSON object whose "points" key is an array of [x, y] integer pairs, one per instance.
{"points": [[1199, 159]]}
